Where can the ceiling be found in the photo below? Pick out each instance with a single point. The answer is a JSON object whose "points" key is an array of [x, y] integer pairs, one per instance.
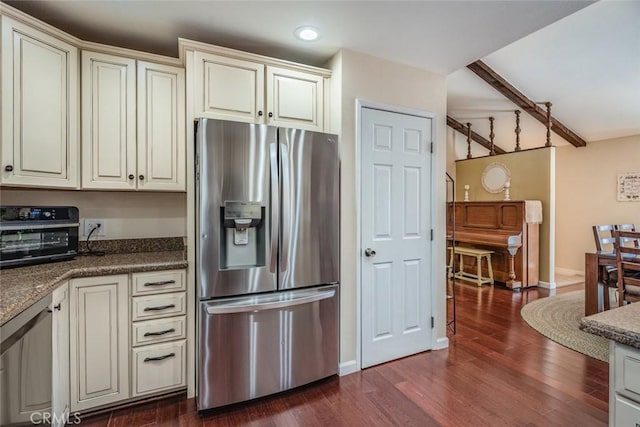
{"points": [[587, 65], [583, 57]]}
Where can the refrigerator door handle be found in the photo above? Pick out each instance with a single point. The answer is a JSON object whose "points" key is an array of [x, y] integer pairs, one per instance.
{"points": [[275, 207], [228, 309], [286, 200]]}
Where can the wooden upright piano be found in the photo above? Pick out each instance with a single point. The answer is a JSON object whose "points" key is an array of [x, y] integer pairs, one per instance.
{"points": [[509, 228]]}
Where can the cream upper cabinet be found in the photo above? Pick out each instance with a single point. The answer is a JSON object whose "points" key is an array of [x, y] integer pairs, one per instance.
{"points": [[249, 88], [39, 118], [228, 88], [108, 121], [133, 132], [295, 99], [161, 129], [99, 341]]}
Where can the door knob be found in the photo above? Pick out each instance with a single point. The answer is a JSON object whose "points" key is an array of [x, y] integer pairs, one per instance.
{"points": [[369, 253]]}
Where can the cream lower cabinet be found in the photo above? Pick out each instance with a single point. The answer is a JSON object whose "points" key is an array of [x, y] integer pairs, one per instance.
{"points": [[40, 107], [127, 337], [624, 385], [99, 341], [232, 88], [158, 337], [133, 133]]}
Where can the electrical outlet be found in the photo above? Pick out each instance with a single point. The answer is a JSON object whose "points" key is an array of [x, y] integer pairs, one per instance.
{"points": [[89, 224]]}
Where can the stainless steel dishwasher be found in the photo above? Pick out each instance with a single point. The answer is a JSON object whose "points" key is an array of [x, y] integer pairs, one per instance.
{"points": [[26, 366]]}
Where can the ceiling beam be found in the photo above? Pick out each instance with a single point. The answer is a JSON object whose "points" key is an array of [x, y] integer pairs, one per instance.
{"points": [[514, 95], [453, 123]]}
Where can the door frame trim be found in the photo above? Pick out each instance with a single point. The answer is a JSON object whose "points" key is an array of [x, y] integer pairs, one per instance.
{"points": [[433, 276]]}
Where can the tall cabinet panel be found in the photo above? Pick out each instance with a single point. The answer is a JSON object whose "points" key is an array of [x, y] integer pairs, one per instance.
{"points": [[108, 121], [60, 347], [39, 108], [161, 136], [99, 341]]}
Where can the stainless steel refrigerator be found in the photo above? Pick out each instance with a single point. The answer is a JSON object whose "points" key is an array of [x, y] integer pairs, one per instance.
{"points": [[267, 255]]}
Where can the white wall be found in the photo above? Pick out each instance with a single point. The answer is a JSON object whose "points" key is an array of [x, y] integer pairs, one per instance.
{"points": [[586, 195], [127, 215], [372, 79]]}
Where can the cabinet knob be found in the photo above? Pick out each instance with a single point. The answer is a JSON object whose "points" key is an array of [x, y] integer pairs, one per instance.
{"points": [[270, 114], [131, 176], [260, 113], [8, 168], [141, 177]]}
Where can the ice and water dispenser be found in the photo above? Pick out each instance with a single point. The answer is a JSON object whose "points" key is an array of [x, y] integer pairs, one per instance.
{"points": [[242, 243]]}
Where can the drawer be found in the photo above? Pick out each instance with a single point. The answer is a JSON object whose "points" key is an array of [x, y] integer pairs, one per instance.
{"points": [[158, 367], [627, 371], [155, 282], [156, 306], [627, 413], [159, 330]]}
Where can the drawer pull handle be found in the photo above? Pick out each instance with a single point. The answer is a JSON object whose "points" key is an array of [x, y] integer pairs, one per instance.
{"points": [[155, 334], [166, 282], [161, 307], [152, 359]]}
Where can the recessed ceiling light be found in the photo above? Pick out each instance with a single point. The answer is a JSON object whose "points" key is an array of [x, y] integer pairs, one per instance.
{"points": [[307, 34]]}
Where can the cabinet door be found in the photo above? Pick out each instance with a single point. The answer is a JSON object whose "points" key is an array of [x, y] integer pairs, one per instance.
{"points": [[228, 88], [108, 121], [295, 99], [60, 344], [161, 130], [40, 124], [99, 341]]}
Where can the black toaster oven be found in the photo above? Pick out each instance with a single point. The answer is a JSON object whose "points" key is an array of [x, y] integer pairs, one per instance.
{"points": [[37, 234]]}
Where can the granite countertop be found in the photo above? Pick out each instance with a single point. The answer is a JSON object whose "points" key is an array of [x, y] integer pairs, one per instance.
{"points": [[620, 324], [22, 286]]}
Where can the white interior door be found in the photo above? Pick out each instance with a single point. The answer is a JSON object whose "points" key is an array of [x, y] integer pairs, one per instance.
{"points": [[395, 235]]}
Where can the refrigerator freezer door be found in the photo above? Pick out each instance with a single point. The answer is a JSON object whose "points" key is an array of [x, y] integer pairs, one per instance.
{"points": [[258, 345], [310, 215], [234, 177]]}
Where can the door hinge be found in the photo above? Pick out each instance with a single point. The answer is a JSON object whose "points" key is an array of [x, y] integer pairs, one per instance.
{"points": [[432, 234], [432, 147], [432, 322]]}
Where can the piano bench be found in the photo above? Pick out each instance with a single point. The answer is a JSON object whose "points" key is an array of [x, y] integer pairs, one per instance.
{"points": [[478, 254]]}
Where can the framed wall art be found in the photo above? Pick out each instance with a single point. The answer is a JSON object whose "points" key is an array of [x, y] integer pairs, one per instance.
{"points": [[629, 187]]}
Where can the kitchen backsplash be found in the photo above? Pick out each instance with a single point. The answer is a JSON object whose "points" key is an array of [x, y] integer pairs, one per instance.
{"points": [[157, 244]]}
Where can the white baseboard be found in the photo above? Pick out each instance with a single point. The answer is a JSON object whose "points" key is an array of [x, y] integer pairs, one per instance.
{"points": [[569, 272], [348, 367], [546, 285], [441, 343]]}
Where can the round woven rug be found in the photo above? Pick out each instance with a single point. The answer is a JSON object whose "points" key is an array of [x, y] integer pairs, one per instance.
{"points": [[558, 318]]}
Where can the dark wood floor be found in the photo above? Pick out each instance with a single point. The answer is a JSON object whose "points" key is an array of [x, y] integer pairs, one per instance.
{"points": [[497, 371]]}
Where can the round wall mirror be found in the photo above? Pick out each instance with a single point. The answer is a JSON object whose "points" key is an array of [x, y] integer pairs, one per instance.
{"points": [[494, 177]]}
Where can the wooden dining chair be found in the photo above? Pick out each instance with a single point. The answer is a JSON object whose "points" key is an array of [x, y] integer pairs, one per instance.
{"points": [[603, 235], [628, 267], [604, 239], [629, 227]]}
